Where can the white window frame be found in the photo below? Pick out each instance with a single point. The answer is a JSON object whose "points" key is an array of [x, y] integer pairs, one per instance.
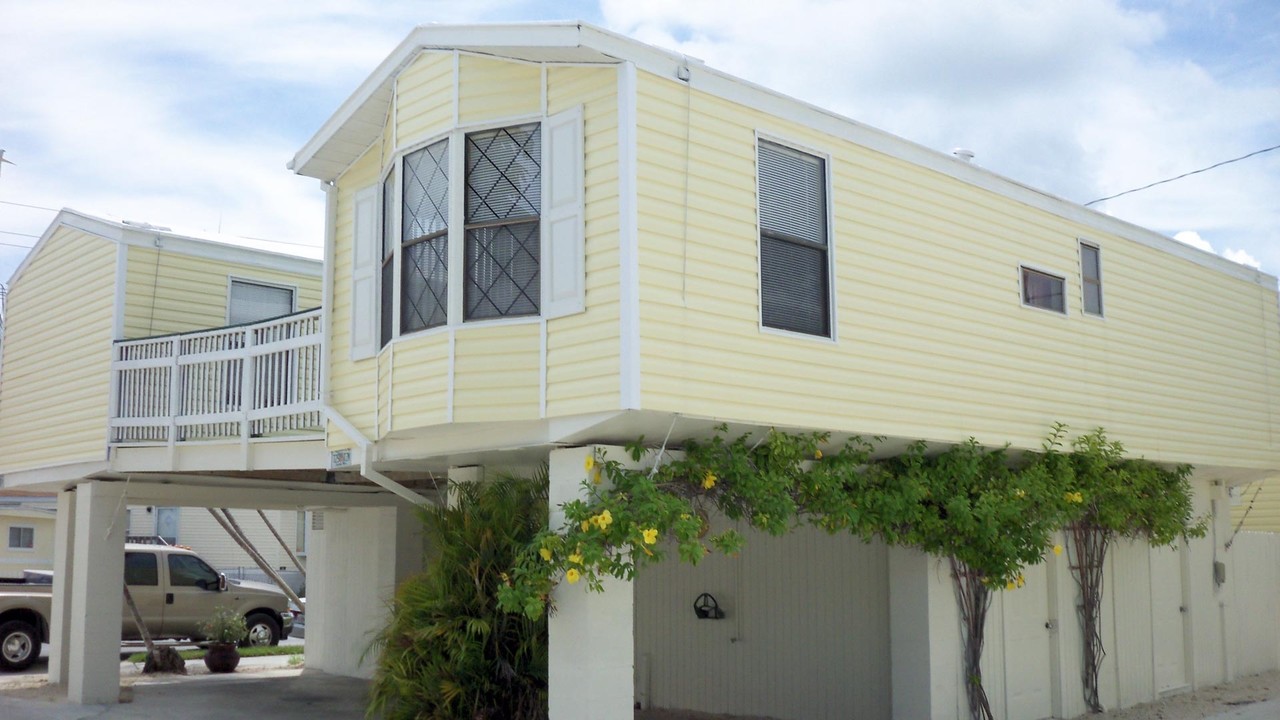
{"points": [[1102, 303], [232, 279], [832, 319], [1022, 292], [20, 548]]}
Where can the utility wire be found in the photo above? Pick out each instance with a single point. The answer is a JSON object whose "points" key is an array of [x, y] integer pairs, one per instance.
{"points": [[15, 245], [1186, 174], [25, 205]]}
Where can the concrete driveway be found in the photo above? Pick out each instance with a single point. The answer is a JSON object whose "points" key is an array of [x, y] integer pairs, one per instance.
{"points": [[269, 690]]}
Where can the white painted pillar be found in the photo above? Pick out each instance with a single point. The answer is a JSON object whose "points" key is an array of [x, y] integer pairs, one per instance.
{"points": [[924, 638], [467, 474], [591, 645], [356, 562], [97, 595], [63, 570]]}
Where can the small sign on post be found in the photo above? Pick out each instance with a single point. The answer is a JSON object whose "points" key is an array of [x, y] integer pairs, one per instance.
{"points": [[339, 458]]}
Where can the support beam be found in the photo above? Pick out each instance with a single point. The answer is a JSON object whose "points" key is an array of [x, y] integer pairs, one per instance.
{"points": [[591, 644], [97, 603], [924, 638], [63, 571]]}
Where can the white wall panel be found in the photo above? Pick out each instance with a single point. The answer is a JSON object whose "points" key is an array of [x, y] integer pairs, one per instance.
{"points": [[1255, 566]]}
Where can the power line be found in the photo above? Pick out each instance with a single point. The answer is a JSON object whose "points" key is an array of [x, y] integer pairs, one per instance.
{"points": [[1186, 174], [25, 205], [14, 245], [10, 232]]}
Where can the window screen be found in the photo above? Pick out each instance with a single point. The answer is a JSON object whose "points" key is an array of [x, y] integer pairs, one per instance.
{"points": [[22, 538], [793, 241], [504, 205], [1043, 290], [141, 569], [424, 235], [1091, 278], [251, 302]]}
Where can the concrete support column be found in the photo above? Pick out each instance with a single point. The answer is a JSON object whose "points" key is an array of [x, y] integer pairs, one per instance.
{"points": [[356, 562], [924, 638], [97, 595], [591, 645], [457, 475], [63, 571]]}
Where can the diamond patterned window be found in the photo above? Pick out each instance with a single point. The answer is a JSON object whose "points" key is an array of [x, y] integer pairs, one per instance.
{"points": [[424, 233], [503, 207], [388, 288]]}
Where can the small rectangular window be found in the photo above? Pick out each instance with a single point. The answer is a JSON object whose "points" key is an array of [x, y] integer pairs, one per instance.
{"points": [[22, 538], [386, 279], [1091, 278], [252, 301], [1042, 290], [794, 287], [424, 237]]}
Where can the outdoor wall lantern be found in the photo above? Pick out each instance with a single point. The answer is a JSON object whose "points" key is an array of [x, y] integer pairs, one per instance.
{"points": [[706, 608]]}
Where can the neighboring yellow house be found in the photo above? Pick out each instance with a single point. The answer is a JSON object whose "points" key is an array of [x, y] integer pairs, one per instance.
{"points": [[26, 532], [547, 237]]}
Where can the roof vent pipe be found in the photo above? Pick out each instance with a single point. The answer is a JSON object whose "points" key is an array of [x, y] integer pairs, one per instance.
{"points": [[964, 154]]}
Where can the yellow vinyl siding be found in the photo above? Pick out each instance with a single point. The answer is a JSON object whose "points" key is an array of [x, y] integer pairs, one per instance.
{"points": [[351, 384], [1259, 507], [57, 380], [169, 292], [424, 101], [496, 375], [497, 90], [933, 341], [582, 350], [421, 381]]}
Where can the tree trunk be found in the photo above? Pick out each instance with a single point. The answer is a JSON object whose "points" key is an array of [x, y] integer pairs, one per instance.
{"points": [[974, 598], [159, 659], [296, 562], [228, 524]]}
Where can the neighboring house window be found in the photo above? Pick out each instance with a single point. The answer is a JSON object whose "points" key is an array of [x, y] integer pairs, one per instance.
{"points": [[300, 533], [22, 538], [503, 205], [424, 236], [253, 301], [1042, 290], [140, 568], [794, 265], [1091, 277], [167, 524]]}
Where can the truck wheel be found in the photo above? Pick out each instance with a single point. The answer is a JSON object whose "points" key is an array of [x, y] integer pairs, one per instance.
{"points": [[19, 645], [263, 630]]}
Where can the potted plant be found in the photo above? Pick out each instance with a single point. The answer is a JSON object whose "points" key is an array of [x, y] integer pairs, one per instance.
{"points": [[223, 630]]}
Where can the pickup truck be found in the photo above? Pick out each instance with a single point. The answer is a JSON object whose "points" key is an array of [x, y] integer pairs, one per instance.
{"points": [[175, 592]]}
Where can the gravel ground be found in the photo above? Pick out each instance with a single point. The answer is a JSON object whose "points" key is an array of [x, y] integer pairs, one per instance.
{"points": [[1256, 696]]}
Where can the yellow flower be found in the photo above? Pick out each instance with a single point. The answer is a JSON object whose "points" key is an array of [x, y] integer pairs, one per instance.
{"points": [[575, 558], [586, 524], [1010, 586], [603, 519], [595, 477], [1057, 549], [1019, 493], [650, 536], [589, 463], [572, 575], [708, 480], [545, 553], [817, 454], [1021, 581]]}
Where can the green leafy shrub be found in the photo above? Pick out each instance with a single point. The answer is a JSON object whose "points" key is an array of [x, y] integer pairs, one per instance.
{"points": [[224, 626], [449, 652]]}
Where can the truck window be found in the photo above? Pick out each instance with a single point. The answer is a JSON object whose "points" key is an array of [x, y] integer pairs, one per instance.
{"points": [[141, 569], [189, 570]]}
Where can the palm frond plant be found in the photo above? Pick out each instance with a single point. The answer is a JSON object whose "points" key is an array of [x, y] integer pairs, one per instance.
{"points": [[449, 652]]}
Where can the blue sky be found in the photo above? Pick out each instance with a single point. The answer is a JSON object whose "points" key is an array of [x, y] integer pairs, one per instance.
{"points": [[184, 113]]}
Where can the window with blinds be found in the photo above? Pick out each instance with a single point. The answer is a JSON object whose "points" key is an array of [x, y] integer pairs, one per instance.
{"points": [[503, 223], [250, 302], [424, 233], [1091, 278], [1044, 291], [794, 265]]}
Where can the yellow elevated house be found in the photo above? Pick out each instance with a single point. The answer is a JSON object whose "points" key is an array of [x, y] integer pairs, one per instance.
{"points": [[549, 238]]}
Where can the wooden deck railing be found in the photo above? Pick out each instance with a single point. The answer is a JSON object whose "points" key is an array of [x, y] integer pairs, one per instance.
{"points": [[260, 380]]}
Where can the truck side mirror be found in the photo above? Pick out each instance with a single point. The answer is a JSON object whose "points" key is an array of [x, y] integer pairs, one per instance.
{"points": [[222, 582]]}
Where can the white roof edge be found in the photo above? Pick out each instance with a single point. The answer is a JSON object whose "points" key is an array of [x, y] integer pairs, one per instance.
{"points": [[663, 62], [143, 236]]}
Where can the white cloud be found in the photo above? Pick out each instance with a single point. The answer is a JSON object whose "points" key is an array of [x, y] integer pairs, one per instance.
{"points": [[1192, 238], [1241, 256]]}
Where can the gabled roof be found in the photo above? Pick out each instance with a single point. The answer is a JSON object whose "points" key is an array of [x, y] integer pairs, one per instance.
{"points": [[359, 121], [253, 252]]}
